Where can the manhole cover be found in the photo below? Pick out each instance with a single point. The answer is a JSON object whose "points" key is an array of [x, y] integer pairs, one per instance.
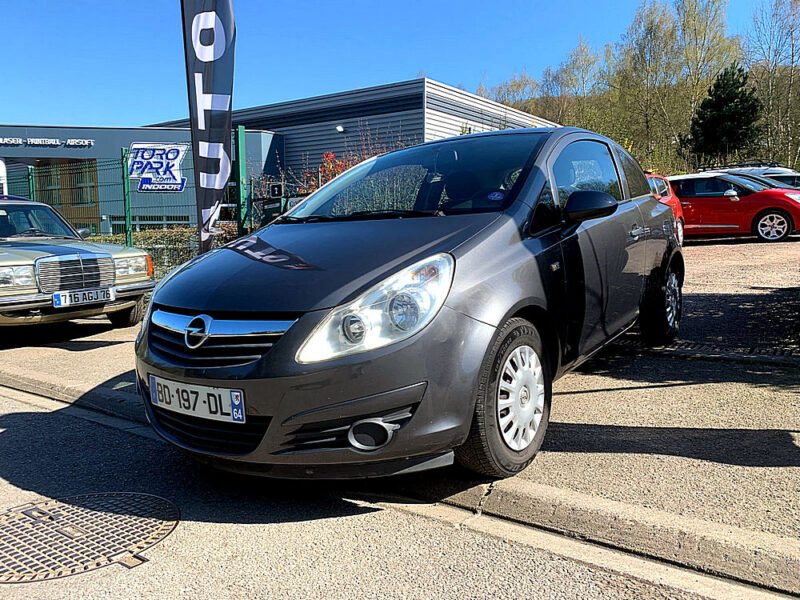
{"points": [[56, 538]]}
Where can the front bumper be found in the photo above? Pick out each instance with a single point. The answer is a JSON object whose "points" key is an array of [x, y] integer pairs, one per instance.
{"points": [[126, 295], [298, 415]]}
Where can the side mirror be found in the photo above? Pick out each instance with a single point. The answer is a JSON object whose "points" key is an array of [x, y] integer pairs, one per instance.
{"points": [[589, 204], [84, 233], [730, 193]]}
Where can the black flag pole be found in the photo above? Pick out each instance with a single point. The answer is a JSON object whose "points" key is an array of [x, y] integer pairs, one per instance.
{"points": [[209, 37]]}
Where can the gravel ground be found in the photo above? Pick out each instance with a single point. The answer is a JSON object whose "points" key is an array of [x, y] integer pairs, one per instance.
{"points": [[258, 538]]}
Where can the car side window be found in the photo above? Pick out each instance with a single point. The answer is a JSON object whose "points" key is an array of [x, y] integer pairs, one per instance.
{"points": [[547, 213], [586, 165], [710, 186], [662, 186], [653, 187], [637, 182]]}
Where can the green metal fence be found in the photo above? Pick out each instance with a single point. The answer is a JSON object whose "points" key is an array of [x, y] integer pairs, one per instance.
{"points": [[100, 196]]}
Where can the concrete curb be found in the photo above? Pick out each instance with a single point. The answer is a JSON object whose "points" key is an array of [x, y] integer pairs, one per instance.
{"points": [[760, 558], [103, 399]]}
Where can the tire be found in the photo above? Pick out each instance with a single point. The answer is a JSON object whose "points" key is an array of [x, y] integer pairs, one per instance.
{"points": [[773, 225], [486, 450], [129, 316], [679, 232], [661, 310]]}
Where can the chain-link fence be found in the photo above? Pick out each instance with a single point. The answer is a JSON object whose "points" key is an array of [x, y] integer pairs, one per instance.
{"points": [[102, 197]]}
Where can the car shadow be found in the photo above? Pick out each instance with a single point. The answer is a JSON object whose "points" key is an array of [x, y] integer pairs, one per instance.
{"points": [[764, 317], [739, 447], [57, 456], [66, 336]]}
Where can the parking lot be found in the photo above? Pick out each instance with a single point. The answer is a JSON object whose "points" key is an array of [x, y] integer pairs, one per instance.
{"points": [[689, 454]]}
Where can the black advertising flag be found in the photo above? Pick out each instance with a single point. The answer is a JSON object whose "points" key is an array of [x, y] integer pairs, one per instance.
{"points": [[209, 37]]}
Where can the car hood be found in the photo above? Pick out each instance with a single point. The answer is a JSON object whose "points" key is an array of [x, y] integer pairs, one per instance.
{"points": [[28, 250], [295, 268]]}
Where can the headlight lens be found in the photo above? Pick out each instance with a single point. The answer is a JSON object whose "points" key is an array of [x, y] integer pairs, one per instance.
{"points": [[137, 265], [793, 196], [389, 312], [17, 277]]}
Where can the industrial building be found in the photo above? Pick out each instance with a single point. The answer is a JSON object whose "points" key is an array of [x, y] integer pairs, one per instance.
{"points": [[79, 169]]}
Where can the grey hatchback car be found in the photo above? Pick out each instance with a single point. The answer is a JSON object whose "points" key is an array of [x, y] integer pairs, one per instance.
{"points": [[413, 311]]}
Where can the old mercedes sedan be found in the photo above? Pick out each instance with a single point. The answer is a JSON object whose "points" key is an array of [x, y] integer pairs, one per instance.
{"points": [[413, 311], [49, 273]]}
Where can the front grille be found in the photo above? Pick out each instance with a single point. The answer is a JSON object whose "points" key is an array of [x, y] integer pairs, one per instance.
{"points": [[75, 272], [231, 343], [212, 436]]}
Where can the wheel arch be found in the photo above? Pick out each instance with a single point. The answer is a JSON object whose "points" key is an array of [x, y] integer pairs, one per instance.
{"points": [[754, 223], [543, 321]]}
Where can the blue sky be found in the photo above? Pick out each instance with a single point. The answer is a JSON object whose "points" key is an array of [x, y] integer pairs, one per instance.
{"points": [[107, 62]]}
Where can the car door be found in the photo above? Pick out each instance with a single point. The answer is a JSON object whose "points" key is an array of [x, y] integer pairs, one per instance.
{"points": [[706, 209], [717, 210], [602, 267]]}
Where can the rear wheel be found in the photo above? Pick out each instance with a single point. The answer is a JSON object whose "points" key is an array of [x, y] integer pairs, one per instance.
{"points": [[662, 308], [773, 225], [679, 231], [129, 316], [512, 407]]}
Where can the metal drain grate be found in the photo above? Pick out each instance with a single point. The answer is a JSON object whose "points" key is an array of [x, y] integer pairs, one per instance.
{"points": [[57, 538]]}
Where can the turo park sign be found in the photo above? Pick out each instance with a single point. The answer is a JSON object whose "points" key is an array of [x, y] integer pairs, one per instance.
{"points": [[209, 37]]}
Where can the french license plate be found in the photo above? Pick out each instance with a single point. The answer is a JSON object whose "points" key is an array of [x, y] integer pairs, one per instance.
{"points": [[218, 404], [64, 299]]}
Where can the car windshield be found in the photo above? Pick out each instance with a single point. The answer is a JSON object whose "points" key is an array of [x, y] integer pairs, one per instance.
{"points": [[468, 175], [770, 183], [748, 184], [31, 220]]}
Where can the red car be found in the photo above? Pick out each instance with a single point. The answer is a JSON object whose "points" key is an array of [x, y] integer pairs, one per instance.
{"points": [[664, 194], [715, 203]]}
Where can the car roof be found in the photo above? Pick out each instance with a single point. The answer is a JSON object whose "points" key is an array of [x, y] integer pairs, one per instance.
{"points": [[766, 170], [8, 199], [704, 175]]}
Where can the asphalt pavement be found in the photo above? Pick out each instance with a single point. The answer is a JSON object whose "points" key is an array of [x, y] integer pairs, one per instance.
{"points": [[691, 459], [240, 537]]}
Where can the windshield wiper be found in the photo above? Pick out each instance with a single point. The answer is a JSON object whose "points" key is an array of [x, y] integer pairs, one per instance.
{"points": [[400, 212], [361, 214], [39, 233], [306, 219]]}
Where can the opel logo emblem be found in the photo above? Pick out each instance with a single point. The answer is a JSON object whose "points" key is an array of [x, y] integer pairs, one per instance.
{"points": [[197, 332]]}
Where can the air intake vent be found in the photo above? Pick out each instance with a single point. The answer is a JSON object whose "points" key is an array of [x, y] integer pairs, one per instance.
{"points": [[205, 435]]}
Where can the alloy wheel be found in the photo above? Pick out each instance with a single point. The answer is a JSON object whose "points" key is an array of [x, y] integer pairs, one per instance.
{"points": [[773, 226], [672, 299], [520, 397]]}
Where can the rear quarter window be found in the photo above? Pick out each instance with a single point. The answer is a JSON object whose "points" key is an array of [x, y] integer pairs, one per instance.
{"points": [[637, 182]]}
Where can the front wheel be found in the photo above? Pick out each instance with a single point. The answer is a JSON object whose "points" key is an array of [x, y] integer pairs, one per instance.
{"points": [[512, 406], [661, 310], [129, 316], [773, 225]]}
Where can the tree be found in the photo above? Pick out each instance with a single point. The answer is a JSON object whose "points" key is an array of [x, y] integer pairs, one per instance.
{"points": [[773, 55], [726, 123]]}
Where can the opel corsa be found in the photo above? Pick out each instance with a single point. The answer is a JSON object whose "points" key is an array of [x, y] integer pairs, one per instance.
{"points": [[413, 311]]}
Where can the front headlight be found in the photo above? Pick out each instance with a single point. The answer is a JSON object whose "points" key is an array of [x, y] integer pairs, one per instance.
{"points": [[16, 277], [137, 265], [793, 196], [389, 312]]}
